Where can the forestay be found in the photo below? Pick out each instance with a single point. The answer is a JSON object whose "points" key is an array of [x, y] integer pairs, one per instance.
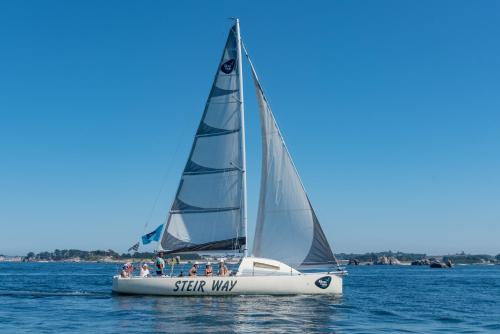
{"points": [[207, 212], [287, 228]]}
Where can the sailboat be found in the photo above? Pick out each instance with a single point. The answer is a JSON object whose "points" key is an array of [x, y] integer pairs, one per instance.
{"points": [[209, 212]]}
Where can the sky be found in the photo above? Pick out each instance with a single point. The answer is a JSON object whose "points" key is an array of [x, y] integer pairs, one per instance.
{"points": [[390, 109]]}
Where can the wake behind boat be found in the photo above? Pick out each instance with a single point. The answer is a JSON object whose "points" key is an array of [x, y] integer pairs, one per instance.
{"points": [[209, 212]]}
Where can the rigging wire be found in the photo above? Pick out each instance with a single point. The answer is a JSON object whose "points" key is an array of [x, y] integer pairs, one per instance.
{"points": [[182, 131]]}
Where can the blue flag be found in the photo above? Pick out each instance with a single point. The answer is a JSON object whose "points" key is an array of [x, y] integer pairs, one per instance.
{"points": [[152, 236]]}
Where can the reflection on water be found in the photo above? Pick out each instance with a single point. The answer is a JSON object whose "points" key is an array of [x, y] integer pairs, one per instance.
{"points": [[310, 313], [239, 314]]}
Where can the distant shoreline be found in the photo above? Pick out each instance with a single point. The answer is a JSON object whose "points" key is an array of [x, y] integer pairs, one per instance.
{"points": [[373, 258]]}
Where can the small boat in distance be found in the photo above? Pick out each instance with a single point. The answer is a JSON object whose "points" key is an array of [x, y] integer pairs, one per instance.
{"points": [[209, 212]]}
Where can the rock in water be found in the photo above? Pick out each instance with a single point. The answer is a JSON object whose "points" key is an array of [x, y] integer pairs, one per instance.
{"points": [[421, 262], [353, 262], [438, 264]]}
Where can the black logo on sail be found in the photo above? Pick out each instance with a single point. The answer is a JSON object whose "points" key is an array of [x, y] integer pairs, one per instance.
{"points": [[323, 282], [228, 66]]}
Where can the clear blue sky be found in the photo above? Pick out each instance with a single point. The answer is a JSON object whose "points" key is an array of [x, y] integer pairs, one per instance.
{"points": [[391, 111]]}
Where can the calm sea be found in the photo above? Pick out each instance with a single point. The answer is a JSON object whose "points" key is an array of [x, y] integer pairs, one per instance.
{"points": [[66, 297]]}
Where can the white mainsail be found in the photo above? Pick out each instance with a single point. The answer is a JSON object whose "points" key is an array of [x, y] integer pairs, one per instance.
{"points": [[209, 209], [287, 228]]}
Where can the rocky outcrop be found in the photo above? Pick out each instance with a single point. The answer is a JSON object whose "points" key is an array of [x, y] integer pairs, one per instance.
{"points": [[439, 264], [421, 262], [387, 260], [353, 262]]}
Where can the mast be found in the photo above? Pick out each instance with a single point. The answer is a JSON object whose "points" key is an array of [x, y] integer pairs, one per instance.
{"points": [[242, 134]]}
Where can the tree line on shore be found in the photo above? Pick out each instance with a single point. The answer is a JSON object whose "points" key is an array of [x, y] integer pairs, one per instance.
{"points": [[100, 255], [460, 258], [94, 255]]}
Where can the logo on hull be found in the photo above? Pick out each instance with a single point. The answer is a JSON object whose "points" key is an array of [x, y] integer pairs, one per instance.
{"points": [[323, 282], [228, 66]]}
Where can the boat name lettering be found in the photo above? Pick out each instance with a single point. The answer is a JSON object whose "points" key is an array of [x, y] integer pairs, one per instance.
{"points": [[190, 286], [198, 285], [218, 285]]}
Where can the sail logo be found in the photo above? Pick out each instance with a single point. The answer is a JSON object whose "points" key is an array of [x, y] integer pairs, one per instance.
{"points": [[323, 282], [228, 66]]}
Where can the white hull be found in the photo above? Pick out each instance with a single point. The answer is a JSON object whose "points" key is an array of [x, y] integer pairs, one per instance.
{"points": [[317, 283]]}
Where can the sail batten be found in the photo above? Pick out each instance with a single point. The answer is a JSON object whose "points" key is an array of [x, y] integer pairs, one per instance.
{"points": [[180, 206], [210, 132], [202, 210], [207, 212], [195, 169]]}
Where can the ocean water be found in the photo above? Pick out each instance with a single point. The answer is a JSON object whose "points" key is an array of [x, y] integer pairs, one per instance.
{"points": [[77, 298]]}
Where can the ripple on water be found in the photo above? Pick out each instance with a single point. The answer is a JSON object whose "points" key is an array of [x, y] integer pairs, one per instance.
{"points": [[448, 320], [493, 327], [37, 294]]}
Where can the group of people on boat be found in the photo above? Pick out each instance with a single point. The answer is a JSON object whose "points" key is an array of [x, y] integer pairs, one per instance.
{"points": [[159, 264], [128, 270], [223, 271]]}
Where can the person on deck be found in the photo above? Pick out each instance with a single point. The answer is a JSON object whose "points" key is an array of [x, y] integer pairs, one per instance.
{"points": [[145, 271], [130, 269], [222, 269], [160, 264], [208, 269], [194, 269], [125, 271]]}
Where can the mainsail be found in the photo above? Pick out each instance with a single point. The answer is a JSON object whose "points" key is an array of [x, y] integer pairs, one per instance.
{"points": [[209, 209], [287, 228]]}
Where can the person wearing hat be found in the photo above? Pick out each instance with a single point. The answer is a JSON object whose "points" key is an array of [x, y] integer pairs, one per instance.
{"points": [[194, 269], [145, 271], [208, 269], [222, 268], [127, 270], [124, 273]]}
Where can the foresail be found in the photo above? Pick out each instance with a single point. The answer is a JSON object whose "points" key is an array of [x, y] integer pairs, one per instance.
{"points": [[206, 214], [287, 228]]}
